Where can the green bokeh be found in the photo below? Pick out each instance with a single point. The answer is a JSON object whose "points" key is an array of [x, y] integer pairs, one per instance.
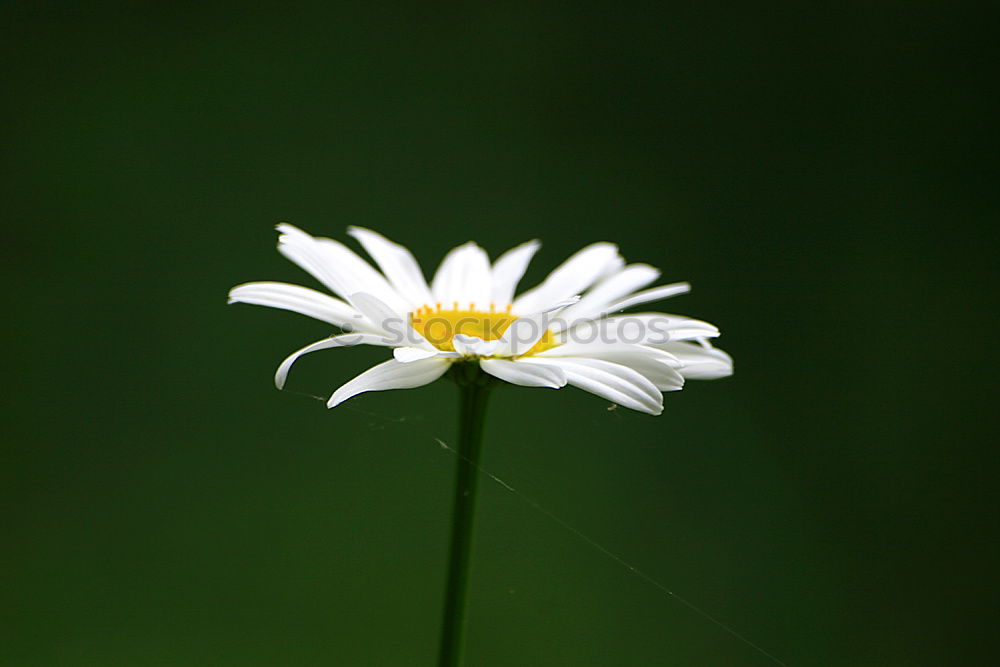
{"points": [[818, 174]]}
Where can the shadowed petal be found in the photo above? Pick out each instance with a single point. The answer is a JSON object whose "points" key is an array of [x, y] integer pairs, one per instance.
{"points": [[580, 271], [525, 373], [344, 340], [391, 375], [508, 271], [618, 384], [464, 276], [398, 265], [301, 300]]}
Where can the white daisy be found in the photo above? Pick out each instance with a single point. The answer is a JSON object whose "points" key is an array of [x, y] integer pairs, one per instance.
{"points": [[569, 329]]}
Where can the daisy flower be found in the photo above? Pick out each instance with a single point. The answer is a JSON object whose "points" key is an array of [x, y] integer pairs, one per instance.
{"points": [[570, 329]]}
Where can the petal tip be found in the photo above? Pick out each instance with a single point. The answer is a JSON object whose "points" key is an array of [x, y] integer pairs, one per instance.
{"points": [[356, 231]]}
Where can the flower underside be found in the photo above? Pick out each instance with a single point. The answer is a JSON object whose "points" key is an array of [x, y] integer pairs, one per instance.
{"points": [[440, 325]]}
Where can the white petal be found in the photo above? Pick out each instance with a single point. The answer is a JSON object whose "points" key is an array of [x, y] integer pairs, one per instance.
{"points": [[470, 346], [297, 246], [595, 302], [572, 277], [639, 329], [654, 364], [508, 271], [465, 345], [464, 276], [602, 350], [524, 373], [700, 362], [344, 340], [672, 327], [407, 355], [649, 295], [486, 348], [300, 300], [389, 323], [527, 330], [522, 334], [618, 384], [337, 266], [616, 264], [398, 265], [688, 329], [391, 375]]}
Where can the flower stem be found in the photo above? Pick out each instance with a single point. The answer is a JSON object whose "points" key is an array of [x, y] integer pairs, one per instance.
{"points": [[474, 388]]}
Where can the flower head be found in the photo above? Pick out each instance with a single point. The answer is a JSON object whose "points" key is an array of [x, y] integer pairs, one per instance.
{"points": [[569, 329]]}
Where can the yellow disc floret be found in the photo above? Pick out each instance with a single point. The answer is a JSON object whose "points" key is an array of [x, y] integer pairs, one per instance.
{"points": [[439, 325]]}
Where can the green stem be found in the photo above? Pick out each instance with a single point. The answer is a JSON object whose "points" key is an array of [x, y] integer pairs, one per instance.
{"points": [[474, 388]]}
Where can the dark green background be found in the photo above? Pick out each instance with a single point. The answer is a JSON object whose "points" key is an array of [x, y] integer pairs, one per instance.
{"points": [[820, 175]]}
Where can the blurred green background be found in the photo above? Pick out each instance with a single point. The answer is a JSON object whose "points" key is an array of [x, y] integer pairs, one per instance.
{"points": [[819, 174]]}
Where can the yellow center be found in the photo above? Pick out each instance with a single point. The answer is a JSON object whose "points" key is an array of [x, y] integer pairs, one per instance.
{"points": [[440, 325]]}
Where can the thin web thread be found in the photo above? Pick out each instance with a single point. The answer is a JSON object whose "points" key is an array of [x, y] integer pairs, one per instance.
{"points": [[610, 554], [581, 535]]}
